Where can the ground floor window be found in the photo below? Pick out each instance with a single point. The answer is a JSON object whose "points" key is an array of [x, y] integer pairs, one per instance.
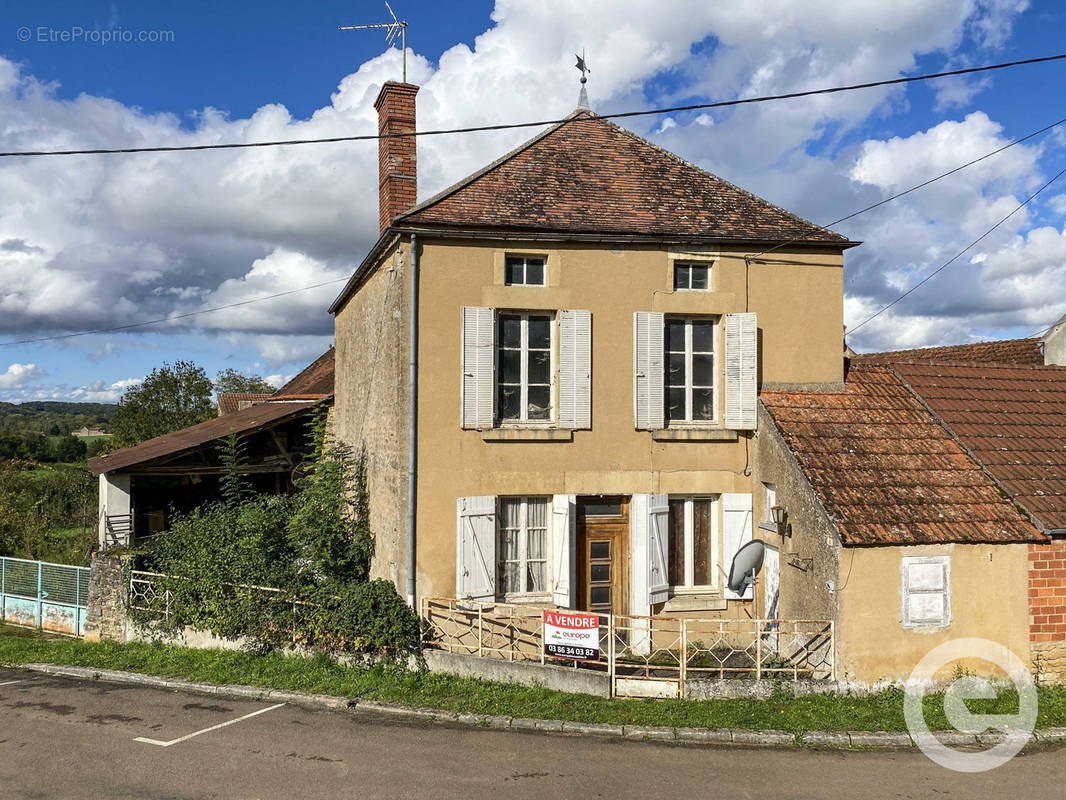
{"points": [[523, 545], [693, 543]]}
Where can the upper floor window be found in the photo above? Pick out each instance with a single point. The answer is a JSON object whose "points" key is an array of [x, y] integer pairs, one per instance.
{"points": [[522, 553], [524, 271], [524, 367], [692, 276], [690, 370], [692, 543]]}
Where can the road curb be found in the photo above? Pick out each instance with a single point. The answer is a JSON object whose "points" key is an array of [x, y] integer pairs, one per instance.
{"points": [[823, 740]]}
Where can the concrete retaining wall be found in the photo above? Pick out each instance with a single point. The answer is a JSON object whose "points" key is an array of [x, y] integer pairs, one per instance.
{"points": [[523, 673]]}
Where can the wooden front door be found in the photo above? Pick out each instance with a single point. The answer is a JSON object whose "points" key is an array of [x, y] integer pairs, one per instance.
{"points": [[602, 553]]}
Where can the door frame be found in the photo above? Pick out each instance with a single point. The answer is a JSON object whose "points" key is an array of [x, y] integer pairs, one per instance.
{"points": [[615, 528]]}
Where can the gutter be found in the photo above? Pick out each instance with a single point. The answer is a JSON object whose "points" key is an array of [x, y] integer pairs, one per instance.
{"points": [[412, 426]]}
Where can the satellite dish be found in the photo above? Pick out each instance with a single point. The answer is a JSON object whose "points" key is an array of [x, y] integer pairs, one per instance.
{"points": [[746, 565]]}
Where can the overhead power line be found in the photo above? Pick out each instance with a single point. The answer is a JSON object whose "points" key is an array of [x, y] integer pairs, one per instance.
{"points": [[540, 123], [959, 254], [916, 187], [146, 323]]}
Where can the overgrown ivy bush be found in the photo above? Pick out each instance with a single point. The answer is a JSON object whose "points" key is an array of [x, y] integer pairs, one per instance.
{"points": [[314, 547]]}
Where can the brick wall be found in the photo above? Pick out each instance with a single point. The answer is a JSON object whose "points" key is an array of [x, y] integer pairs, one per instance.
{"points": [[1047, 609]]}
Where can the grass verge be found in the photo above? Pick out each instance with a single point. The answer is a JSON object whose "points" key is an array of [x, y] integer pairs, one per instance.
{"points": [[322, 675]]}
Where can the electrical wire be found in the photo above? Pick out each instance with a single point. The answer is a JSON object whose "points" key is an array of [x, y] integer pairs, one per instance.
{"points": [[510, 126], [959, 254], [748, 259], [462, 130], [922, 185]]}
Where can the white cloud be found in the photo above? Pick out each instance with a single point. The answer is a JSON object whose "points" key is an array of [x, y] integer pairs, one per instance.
{"points": [[119, 240], [17, 376]]}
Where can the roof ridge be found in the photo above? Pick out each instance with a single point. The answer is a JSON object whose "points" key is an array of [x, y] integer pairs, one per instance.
{"points": [[812, 231]]}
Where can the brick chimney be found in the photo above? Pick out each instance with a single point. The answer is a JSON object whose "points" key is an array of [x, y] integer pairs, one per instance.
{"points": [[397, 180]]}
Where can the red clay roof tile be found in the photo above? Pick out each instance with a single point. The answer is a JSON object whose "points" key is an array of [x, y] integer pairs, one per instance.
{"points": [[588, 175], [1007, 351], [886, 471], [1013, 421]]}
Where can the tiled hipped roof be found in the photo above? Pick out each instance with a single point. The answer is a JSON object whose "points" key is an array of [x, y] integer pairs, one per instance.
{"points": [[588, 175], [1007, 351], [1013, 420], [886, 471]]}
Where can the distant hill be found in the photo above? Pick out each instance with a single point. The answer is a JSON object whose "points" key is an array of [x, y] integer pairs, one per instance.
{"points": [[105, 410]]}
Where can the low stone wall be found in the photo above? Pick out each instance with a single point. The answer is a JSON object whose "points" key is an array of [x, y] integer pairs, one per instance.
{"points": [[523, 673]]}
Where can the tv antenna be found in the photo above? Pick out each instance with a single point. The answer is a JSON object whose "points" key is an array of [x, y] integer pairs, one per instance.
{"points": [[398, 27]]}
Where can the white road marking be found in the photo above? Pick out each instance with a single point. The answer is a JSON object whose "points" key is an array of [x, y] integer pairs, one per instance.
{"points": [[8, 683], [207, 730]]}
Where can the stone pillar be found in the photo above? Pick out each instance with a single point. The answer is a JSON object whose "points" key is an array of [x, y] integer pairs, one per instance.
{"points": [[105, 611]]}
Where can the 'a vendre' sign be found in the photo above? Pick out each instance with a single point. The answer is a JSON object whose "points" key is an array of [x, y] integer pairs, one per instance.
{"points": [[570, 635]]}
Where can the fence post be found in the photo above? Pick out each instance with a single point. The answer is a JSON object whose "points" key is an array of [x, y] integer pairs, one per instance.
{"points": [[683, 666], [542, 657], [480, 643], [758, 650], [610, 653], [833, 648], [40, 597]]}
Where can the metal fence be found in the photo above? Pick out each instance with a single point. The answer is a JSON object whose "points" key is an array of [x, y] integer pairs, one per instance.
{"points": [[148, 592], [38, 594], [645, 656]]}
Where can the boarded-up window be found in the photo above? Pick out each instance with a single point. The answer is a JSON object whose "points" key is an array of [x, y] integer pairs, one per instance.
{"points": [[926, 592]]}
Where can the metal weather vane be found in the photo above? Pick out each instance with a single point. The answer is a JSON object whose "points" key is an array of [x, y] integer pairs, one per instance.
{"points": [[398, 27], [581, 65], [583, 98]]}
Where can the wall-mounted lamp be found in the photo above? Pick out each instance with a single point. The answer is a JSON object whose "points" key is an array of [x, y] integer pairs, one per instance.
{"points": [[780, 517]]}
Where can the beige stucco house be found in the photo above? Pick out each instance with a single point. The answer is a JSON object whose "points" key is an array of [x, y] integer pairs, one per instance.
{"points": [[553, 367]]}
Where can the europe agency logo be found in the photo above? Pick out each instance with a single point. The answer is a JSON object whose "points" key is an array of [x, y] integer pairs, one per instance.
{"points": [[1015, 728]]}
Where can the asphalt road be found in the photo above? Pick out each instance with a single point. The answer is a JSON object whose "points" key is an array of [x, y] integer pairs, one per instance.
{"points": [[63, 738]]}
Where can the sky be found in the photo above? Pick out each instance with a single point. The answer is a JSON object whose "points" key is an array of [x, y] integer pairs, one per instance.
{"points": [[108, 240]]}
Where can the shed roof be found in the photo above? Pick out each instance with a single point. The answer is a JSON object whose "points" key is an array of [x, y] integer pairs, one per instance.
{"points": [[886, 471], [246, 420], [1006, 351], [228, 402]]}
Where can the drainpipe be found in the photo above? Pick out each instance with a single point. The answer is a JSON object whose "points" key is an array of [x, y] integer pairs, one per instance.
{"points": [[412, 426]]}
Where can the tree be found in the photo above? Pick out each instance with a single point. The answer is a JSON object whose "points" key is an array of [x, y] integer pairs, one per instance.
{"points": [[170, 398], [69, 449], [231, 381]]}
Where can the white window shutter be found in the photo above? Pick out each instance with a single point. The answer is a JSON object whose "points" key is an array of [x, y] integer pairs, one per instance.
{"points": [[564, 543], [736, 532], [475, 563], [479, 340], [648, 400], [741, 371], [926, 591], [575, 369], [658, 523]]}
